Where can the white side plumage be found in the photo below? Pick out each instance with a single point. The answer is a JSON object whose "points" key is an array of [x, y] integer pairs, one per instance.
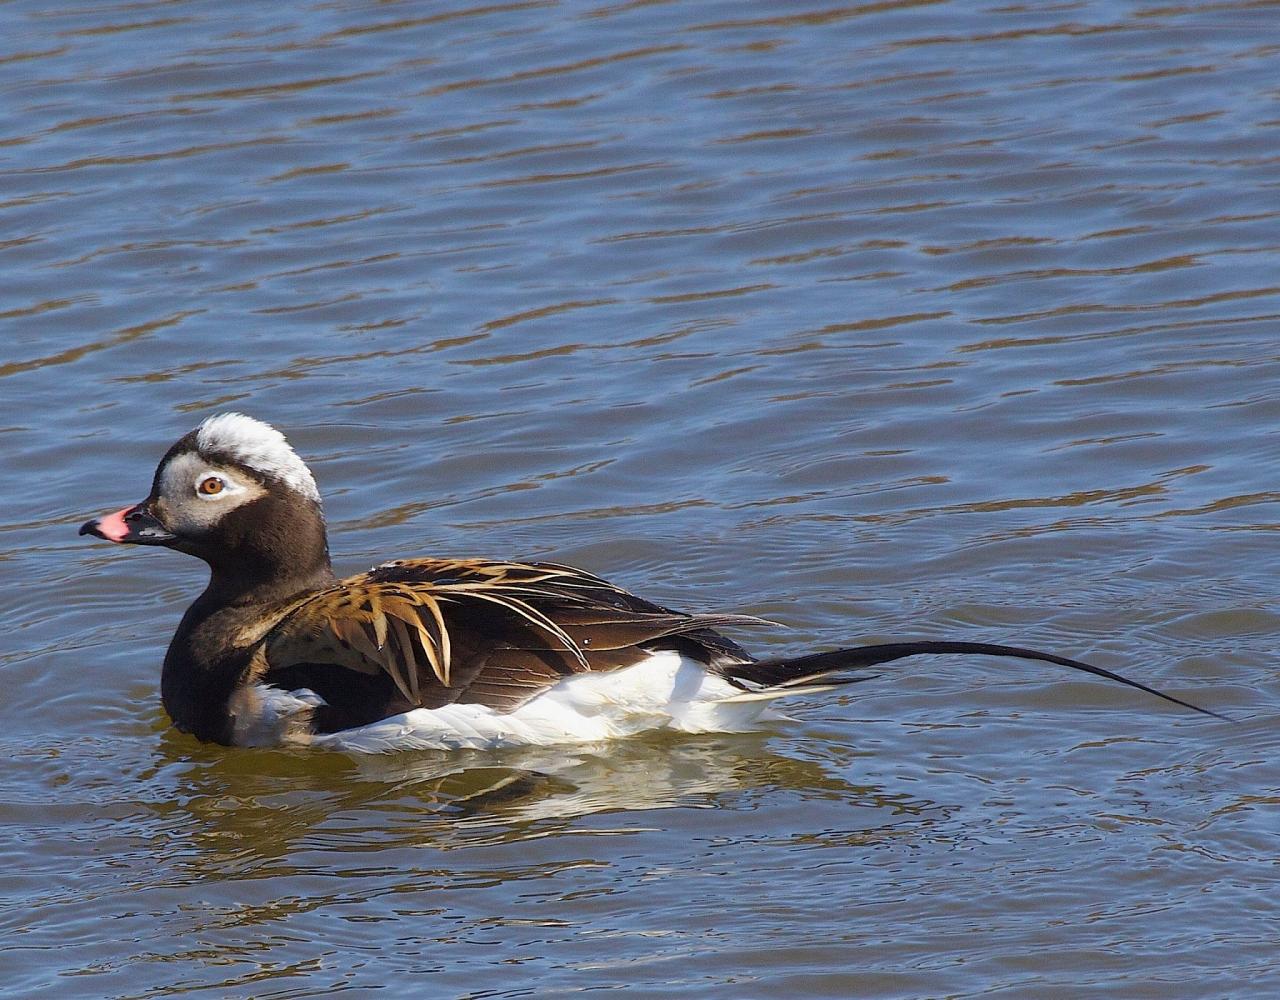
{"points": [[663, 691]]}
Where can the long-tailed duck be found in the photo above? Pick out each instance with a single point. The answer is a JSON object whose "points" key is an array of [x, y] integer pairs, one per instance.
{"points": [[433, 653]]}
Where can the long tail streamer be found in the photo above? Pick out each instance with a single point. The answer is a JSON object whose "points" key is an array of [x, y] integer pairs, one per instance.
{"points": [[803, 669]]}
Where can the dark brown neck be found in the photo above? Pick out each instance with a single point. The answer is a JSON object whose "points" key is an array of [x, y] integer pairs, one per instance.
{"points": [[265, 552], [248, 592], [243, 586]]}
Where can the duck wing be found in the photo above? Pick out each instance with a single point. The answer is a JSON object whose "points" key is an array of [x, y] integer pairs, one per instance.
{"points": [[423, 633]]}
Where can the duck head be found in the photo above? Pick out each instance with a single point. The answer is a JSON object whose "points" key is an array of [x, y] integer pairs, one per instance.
{"points": [[233, 493]]}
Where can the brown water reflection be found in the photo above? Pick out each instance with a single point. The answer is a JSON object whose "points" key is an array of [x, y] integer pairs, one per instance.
{"points": [[256, 807]]}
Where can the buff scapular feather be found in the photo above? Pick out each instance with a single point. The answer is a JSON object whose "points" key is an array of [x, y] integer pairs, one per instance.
{"points": [[398, 619]]}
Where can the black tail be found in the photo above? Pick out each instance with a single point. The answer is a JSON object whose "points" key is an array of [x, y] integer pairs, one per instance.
{"points": [[784, 673]]}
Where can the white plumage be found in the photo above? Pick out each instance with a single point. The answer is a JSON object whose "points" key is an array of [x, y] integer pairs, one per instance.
{"points": [[663, 691], [260, 447]]}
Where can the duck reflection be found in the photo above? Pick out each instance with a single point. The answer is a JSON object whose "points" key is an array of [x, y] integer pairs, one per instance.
{"points": [[268, 804]]}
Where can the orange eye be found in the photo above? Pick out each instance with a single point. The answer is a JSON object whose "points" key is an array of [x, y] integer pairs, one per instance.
{"points": [[211, 486]]}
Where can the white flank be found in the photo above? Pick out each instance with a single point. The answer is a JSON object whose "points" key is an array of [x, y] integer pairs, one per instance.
{"points": [[663, 691], [265, 716], [259, 446]]}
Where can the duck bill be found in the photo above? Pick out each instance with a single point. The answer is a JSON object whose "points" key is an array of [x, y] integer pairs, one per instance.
{"points": [[135, 525]]}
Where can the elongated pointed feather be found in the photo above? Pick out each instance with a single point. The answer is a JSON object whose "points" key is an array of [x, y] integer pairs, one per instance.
{"points": [[785, 672], [442, 630], [435, 633], [537, 618], [360, 640], [404, 647], [387, 659]]}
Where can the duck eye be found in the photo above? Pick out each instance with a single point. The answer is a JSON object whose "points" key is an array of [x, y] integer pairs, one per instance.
{"points": [[211, 486]]}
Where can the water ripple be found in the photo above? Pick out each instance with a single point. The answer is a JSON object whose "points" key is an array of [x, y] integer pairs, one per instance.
{"points": [[879, 319]]}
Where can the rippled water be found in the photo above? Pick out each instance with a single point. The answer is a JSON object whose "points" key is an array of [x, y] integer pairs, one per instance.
{"points": [[886, 319]]}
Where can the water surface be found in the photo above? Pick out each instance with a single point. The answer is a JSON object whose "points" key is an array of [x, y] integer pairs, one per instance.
{"points": [[882, 320]]}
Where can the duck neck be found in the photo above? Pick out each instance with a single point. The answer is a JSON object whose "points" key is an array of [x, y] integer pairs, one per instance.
{"points": [[267, 552], [260, 586], [250, 588]]}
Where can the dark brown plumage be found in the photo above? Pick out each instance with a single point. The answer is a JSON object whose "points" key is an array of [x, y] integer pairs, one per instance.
{"points": [[442, 631]]}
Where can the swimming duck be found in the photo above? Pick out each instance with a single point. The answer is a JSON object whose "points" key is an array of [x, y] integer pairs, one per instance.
{"points": [[429, 652]]}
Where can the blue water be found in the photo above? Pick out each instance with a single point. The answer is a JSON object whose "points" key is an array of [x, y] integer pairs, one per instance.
{"points": [[885, 320]]}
